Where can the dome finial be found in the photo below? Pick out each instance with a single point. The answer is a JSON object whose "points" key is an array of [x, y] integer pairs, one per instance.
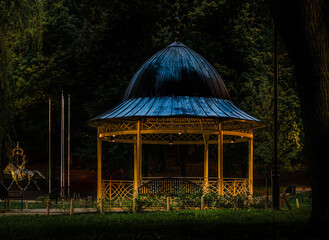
{"points": [[177, 29]]}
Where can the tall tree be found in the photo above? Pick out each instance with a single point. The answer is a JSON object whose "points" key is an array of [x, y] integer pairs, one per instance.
{"points": [[304, 26], [20, 30]]}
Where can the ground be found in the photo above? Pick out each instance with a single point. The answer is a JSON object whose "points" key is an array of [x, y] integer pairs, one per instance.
{"points": [[184, 224]]}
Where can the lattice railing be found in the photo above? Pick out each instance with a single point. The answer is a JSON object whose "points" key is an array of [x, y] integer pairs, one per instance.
{"points": [[234, 187], [117, 190], [231, 186], [114, 126], [179, 123], [172, 137], [171, 186]]}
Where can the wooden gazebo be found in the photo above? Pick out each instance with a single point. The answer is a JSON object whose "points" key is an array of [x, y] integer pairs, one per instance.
{"points": [[176, 97]]}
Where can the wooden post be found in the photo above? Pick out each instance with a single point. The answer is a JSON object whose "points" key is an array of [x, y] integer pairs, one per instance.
{"points": [[99, 168], [72, 207], [134, 205], [140, 156], [297, 203], [220, 161], [137, 160], [202, 203], [206, 163], [168, 204], [48, 207], [26, 204], [139, 152], [135, 170], [102, 206], [250, 165], [250, 201]]}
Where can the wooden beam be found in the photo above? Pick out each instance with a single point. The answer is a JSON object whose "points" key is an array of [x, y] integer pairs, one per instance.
{"points": [[99, 168], [237, 133], [175, 131], [115, 133], [166, 142]]}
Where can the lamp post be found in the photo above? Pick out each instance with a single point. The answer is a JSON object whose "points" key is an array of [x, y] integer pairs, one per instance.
{"points": [[62, 192], [275, 171], [49, 146]]}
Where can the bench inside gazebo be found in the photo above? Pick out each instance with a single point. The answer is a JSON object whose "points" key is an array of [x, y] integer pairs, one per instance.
{"points": [[176, 97]]}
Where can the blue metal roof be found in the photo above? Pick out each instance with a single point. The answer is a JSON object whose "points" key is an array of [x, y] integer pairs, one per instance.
{"points": [[176, 82], [175, 106], [176, 70]]}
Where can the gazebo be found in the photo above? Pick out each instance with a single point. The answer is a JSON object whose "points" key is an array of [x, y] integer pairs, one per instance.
{"points": [[176, 97]]}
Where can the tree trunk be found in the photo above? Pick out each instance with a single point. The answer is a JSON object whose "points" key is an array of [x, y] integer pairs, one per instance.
{"points": [[303, 26]]}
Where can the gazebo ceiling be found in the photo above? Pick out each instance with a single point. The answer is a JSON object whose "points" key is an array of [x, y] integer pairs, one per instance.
{"points": [[176, 82]]}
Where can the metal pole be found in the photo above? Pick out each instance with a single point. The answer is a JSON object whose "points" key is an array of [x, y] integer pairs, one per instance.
{"points": [[275, 172], [61, 177], [49, 147], [62, 150], [68, 143]]}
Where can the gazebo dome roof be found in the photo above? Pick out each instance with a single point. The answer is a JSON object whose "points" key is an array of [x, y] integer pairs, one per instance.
{"points": [[176, 82], [176, 70]]}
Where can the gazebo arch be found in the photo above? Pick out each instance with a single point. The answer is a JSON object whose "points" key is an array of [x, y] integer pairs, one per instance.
{"points": [[176, 97]]}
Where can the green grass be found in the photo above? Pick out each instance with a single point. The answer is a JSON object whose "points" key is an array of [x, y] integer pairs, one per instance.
{"points": [[184, 224]]}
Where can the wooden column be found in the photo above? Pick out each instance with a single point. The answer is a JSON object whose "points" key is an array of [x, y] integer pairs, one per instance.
{"points": [[220, 161], [250, 166], [206, 162], [135, 169], [140, 155], [99, 167], [137, 159]]}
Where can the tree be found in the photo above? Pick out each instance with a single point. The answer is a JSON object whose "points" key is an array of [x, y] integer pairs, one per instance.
{"points": [[20, 31], [237, 38], [304, 27]]}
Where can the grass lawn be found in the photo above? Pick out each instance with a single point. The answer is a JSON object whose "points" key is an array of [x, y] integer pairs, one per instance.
{"points": [[184, 224]]}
